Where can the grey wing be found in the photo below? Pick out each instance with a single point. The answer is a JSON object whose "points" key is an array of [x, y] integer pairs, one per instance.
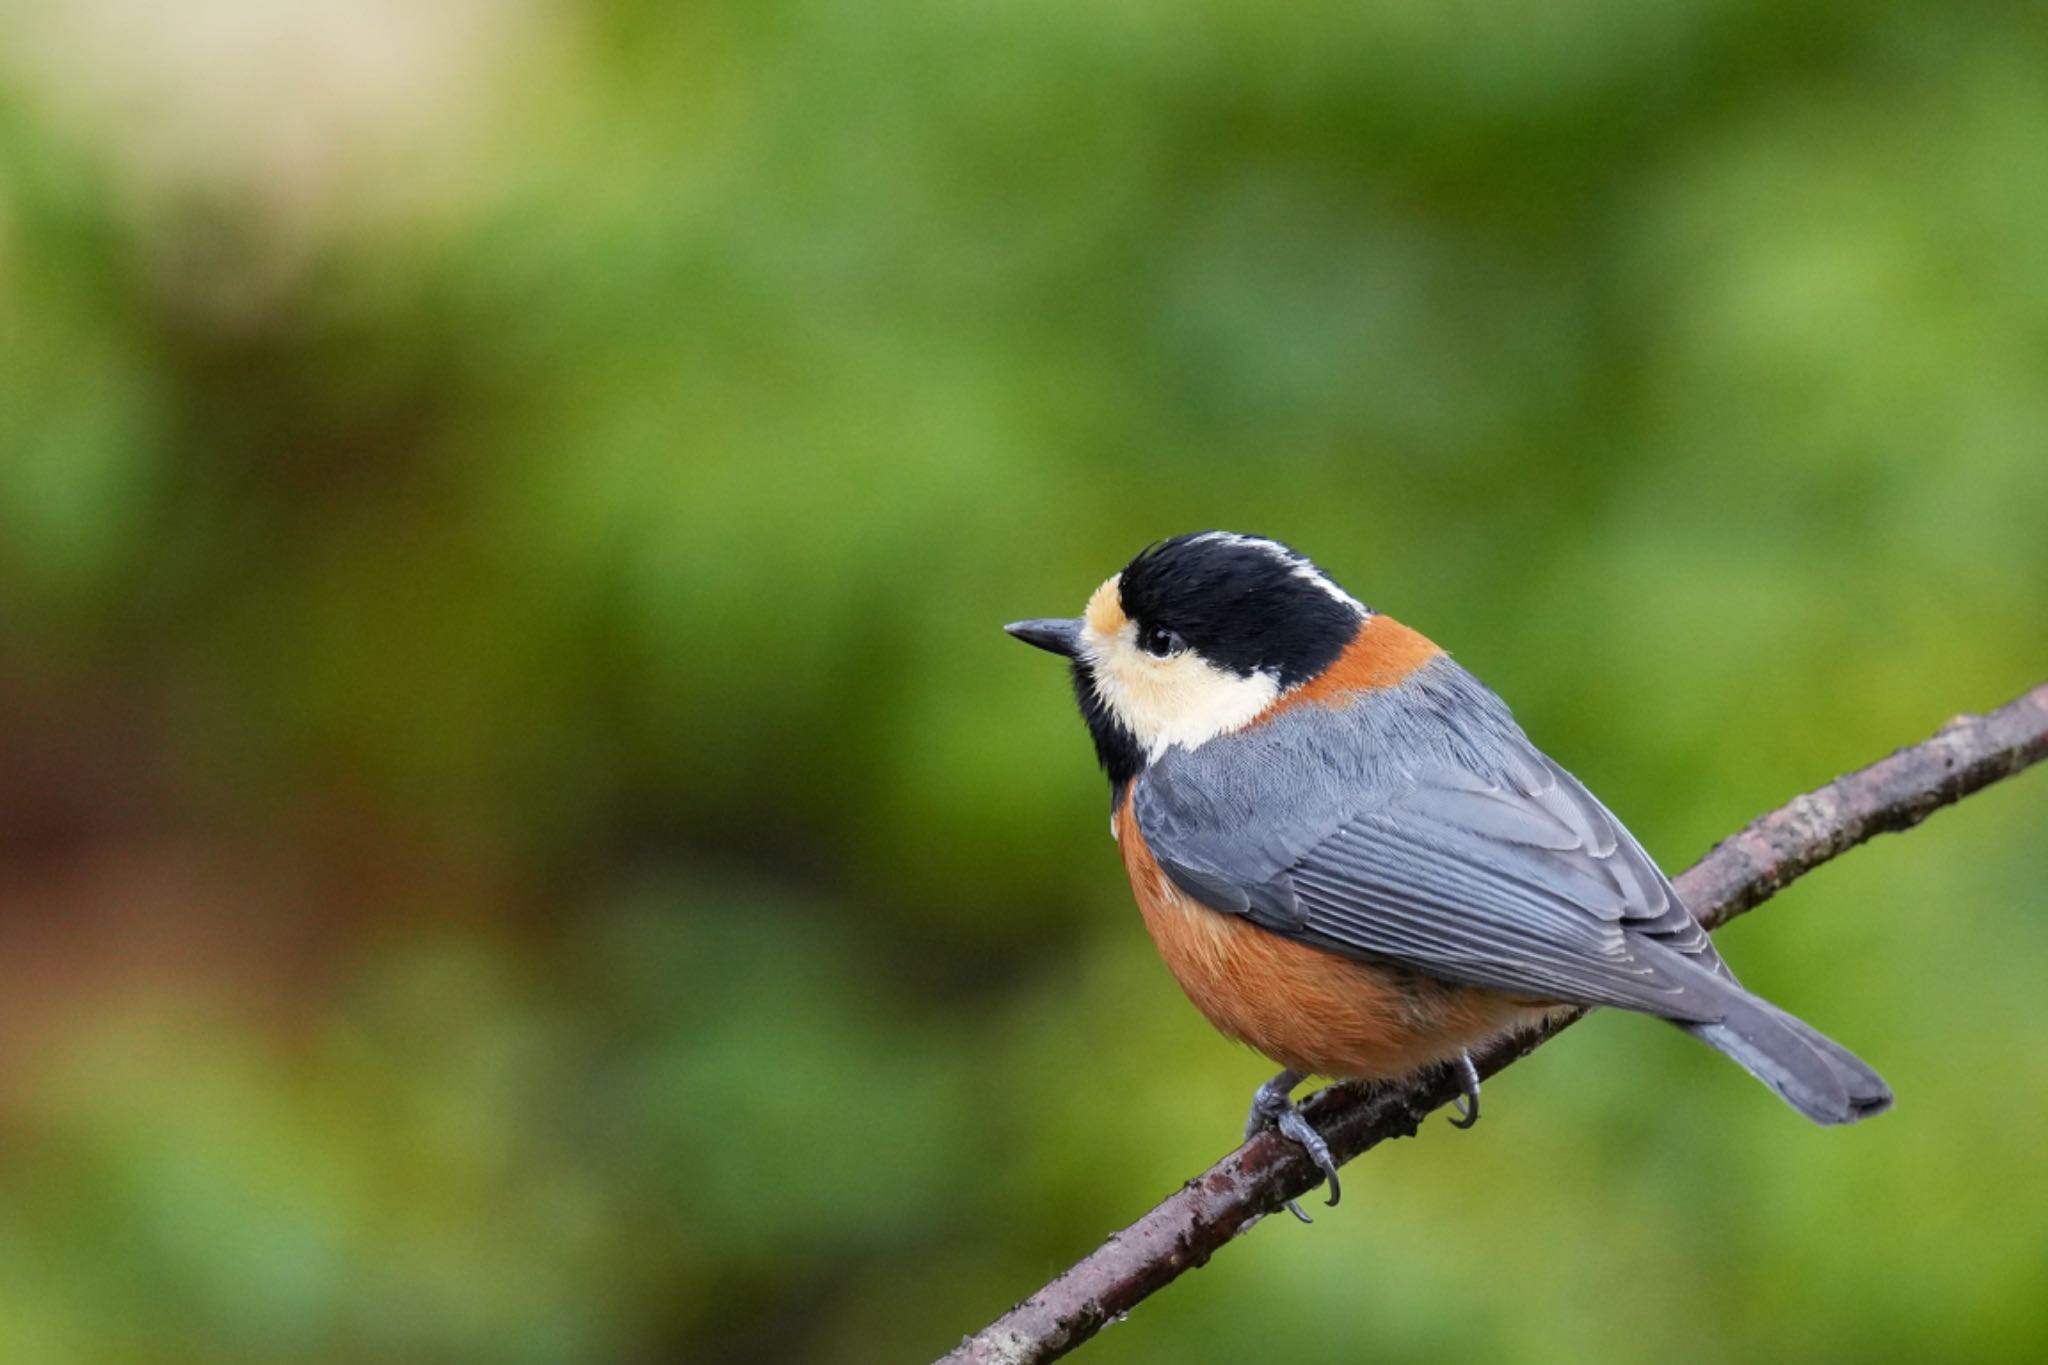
{"points": [[1425, 829]]}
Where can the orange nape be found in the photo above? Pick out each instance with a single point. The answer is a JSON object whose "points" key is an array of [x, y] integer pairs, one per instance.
{"points": [[1310, 1011], [1381, 654]]}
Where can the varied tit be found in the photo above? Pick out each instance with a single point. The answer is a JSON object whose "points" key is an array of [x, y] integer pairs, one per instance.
{"points": [[1353, 859]]}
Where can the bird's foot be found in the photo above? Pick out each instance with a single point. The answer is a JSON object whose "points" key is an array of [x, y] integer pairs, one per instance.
{"points": [[1273, 1105], [1466, 1104]]}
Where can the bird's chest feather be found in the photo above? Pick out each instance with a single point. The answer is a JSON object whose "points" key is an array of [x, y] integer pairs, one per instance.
{"points": [[1309, 1010]]}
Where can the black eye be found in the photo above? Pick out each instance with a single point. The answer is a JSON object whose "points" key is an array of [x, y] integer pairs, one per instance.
{"points": [[1159, 642]]}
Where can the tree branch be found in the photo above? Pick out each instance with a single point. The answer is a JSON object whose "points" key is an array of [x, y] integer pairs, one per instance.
{"points": [[1741, 872]]}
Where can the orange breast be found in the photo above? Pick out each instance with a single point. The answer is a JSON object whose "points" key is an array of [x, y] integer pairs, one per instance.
{"points": [[1309, 1010]]}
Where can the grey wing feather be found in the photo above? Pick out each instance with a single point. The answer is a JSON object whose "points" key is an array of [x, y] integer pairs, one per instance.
{"points": [[1422, 827]]}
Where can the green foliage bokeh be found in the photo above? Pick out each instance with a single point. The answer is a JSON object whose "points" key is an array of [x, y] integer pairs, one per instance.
{"points": [[521, 839]]}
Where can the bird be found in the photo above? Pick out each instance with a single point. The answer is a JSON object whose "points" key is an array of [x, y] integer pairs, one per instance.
{"points": [[1352, 858]]}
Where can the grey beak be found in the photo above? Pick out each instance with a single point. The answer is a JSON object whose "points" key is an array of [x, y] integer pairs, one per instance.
{"points": [[1053, 634]]}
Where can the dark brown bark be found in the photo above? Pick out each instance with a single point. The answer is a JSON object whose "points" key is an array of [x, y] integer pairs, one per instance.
{"points": [[1741, 872]]}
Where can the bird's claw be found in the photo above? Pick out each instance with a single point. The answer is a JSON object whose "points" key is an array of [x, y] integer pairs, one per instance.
{"points": [[1466, 1104], [1274, 1105], [1294, 1125]]}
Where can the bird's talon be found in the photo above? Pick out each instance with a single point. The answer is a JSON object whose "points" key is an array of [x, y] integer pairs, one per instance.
{"points": [[1466, 1104], [1273, 1106], [1293, 1125]]}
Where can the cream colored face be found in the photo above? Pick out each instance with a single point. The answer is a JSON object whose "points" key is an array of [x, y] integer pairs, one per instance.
{"points": [[1179, 699]]}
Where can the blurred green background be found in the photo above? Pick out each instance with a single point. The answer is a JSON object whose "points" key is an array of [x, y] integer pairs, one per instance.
{"points": [[521, 839]]}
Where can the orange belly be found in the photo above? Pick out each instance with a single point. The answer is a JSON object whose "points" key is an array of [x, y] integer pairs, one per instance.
{"points": [[1309, 1010]]}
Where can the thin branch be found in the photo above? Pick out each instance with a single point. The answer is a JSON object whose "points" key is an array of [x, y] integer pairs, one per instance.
{"points": [[1741, 872]]}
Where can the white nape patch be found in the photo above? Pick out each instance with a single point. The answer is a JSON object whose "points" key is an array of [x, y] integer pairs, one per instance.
{"points": [[1182, 699], [1297, 565]]}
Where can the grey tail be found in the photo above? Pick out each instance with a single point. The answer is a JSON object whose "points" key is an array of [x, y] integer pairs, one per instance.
{"points": [[1811, 1072]]}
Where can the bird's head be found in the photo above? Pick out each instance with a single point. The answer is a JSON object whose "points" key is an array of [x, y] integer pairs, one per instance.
{"points": [[1194, 638]]}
